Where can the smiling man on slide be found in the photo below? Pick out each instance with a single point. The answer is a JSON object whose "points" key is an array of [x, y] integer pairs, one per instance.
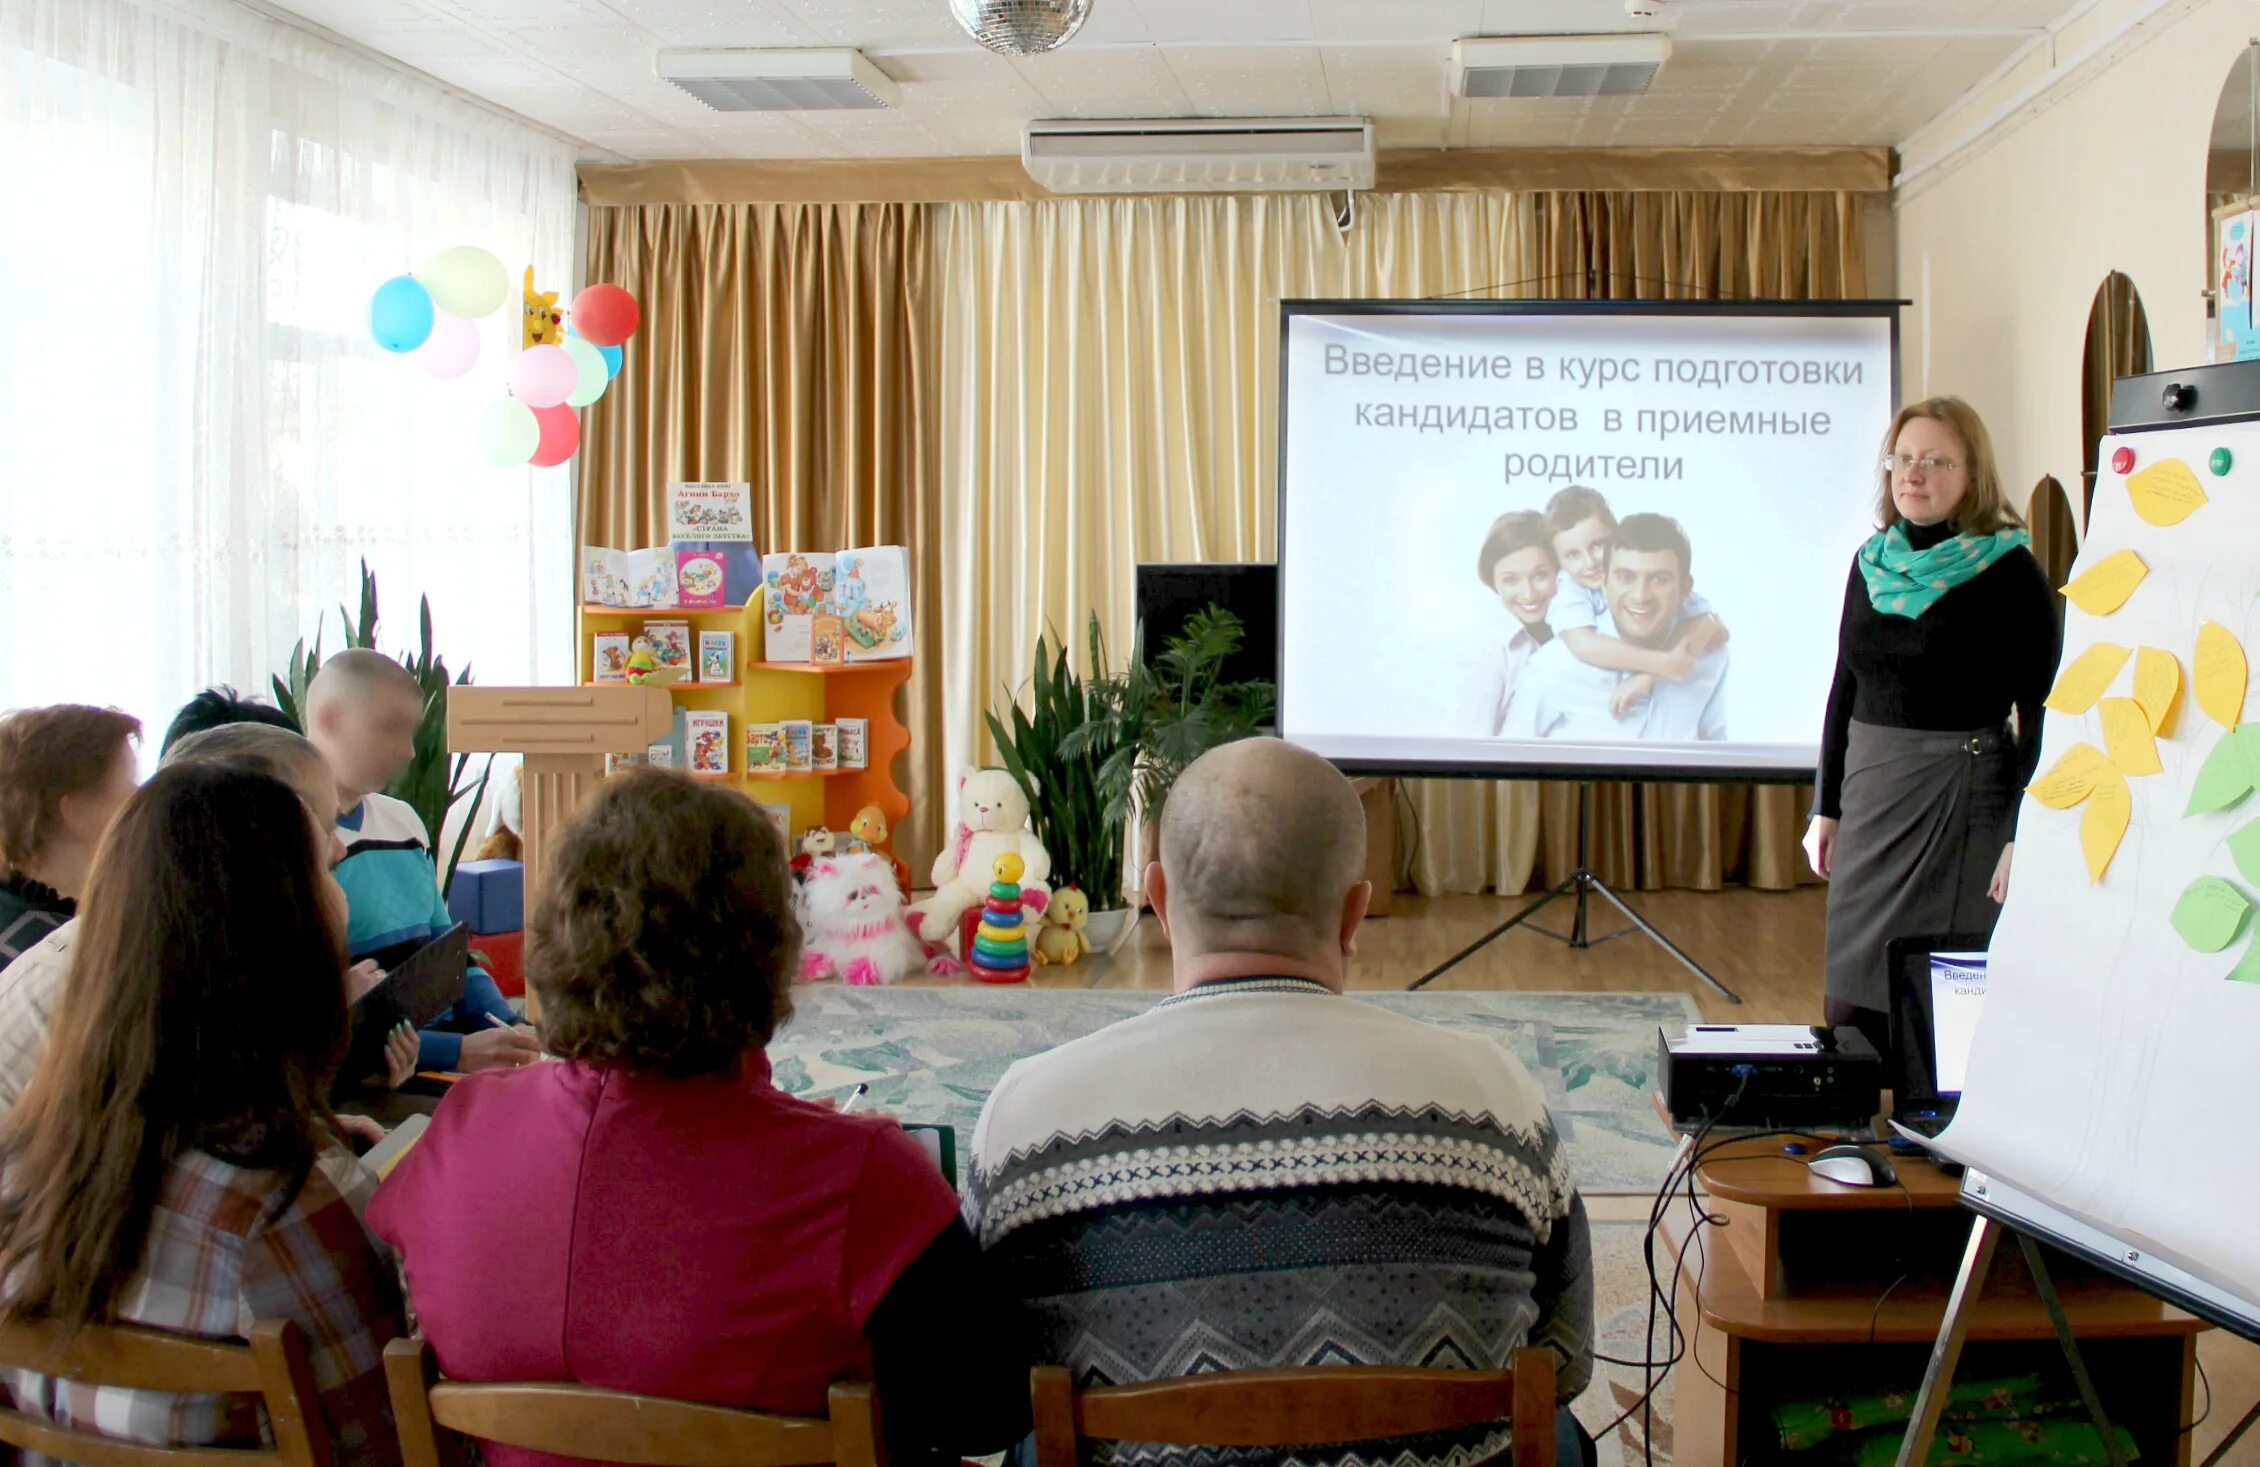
{"points": [[1650, 579]]}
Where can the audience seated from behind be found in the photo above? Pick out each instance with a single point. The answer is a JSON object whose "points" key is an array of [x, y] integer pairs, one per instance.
{"points": [[654, 1214], [64, 771], [1260, 1173], [362, 712], [173, 1163], [28, 986]]}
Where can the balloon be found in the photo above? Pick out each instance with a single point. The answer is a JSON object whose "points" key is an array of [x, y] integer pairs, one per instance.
{"points": [[560, 435], [543, 376], [605, 314], [451, 348], [400, 314], [509, 434], [466, 281], [591, 378], [612, 356]]}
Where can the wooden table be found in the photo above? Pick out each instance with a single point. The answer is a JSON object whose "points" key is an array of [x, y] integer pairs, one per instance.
{"points": [[1810, 1287]]}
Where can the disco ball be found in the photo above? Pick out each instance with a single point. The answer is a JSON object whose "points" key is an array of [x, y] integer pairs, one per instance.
{"points": [[1021, 27]]}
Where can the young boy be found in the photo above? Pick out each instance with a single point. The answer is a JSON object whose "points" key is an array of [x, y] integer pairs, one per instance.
{"points": [[362, 712], [1582, 524]]}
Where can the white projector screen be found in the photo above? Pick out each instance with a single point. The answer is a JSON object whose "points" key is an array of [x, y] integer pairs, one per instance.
{"points": [[1746, 438]]}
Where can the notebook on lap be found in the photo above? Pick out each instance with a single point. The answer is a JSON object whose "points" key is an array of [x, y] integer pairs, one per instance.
{"points": [[422, 987]]}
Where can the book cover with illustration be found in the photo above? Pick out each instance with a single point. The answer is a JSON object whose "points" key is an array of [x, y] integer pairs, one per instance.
{"points": [[700, 578], [872, 595], [798, 735], [628, 577], [717, 657], [708, 735], [670, 644], [827, 640], [764, 747], [799, 587], [854, 739], [823, 746], [609, 657], [709, 512]]}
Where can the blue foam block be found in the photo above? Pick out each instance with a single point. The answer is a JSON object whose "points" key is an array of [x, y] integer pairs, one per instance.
{"points": [[489, 896]]}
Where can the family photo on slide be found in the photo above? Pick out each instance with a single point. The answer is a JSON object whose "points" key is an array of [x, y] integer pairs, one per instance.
{"points": [[1604, 638]]}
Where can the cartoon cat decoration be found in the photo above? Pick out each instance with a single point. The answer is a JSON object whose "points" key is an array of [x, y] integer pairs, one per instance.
{"points": [[541, 324]]}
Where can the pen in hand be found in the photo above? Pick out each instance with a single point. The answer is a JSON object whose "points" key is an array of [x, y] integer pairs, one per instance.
{"points": [[855, 1098]]}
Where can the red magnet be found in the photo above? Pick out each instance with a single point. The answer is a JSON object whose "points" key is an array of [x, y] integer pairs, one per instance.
{"points": [[2122, 459]]}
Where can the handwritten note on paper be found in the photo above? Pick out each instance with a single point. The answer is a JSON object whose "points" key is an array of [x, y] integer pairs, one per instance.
{"points": [[2105, 587], [2081, 683], [2126, 733], [2166, 493], [2210, 914], [2072, 778], [2103, 824], [2218, 674], [2158, 688]]}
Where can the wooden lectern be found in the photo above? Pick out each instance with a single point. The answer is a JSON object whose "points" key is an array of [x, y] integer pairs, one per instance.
{"points": [[564, 734]]}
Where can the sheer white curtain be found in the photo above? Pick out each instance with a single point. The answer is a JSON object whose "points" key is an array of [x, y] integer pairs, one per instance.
{"points": [[198, 440]]}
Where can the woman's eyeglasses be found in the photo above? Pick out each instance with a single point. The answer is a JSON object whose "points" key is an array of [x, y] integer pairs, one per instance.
{"points": [[1901, 463]]}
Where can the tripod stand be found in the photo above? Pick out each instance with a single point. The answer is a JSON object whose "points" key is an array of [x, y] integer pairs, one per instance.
{"points": [[1583, 883]]}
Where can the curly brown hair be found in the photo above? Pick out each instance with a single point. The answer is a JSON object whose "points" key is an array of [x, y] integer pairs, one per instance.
{"points": [[663, 937]]}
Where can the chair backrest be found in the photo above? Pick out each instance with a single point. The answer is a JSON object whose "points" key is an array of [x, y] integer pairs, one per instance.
{"points": [[617, 1426], [272, 1364], [1298, 1408]]}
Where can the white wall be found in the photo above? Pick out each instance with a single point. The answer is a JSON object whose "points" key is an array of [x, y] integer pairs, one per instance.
{"points": [[2002, 243]]}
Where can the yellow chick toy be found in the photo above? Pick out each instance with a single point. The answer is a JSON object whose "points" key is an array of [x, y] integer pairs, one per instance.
{"points": [[1063, 939], [541, 323]]}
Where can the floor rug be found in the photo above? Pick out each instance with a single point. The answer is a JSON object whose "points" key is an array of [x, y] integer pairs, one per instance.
{"points": [[933, 1054]]}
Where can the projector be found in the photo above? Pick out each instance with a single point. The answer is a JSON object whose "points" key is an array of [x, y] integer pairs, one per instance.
{"points": [[1769, 1076]]}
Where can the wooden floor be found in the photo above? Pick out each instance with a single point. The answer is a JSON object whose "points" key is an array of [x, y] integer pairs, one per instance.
{"points": [[1766, 946]]}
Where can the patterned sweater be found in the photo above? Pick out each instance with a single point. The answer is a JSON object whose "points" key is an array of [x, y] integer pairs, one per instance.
{"points": [[1259, 1173]]}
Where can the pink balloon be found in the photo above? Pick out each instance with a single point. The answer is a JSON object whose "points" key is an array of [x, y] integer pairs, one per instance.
{"points": [[543, 377], [560, 431], [451, 349]]}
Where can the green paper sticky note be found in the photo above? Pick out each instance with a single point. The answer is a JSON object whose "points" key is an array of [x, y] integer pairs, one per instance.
{"points": [[2244, 845], [2225, 778], [2247, 969], [2210, 914]]}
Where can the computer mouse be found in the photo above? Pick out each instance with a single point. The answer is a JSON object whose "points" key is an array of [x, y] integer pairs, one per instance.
{"points": [[1854, 1166]]}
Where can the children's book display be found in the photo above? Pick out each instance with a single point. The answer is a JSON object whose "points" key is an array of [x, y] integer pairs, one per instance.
{"points": [[853, 606], [671, 646], [707, 737], [717, 657]]}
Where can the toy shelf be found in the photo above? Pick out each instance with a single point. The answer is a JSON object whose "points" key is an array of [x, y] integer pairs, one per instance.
{"points": [[781, 775], [660, 613], [678, 687]]}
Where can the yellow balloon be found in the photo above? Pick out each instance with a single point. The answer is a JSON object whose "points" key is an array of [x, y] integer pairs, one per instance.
{"points": [[465, 281]]}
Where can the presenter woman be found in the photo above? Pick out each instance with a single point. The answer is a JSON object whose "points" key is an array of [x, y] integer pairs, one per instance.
{"points": [[1949, 625]]}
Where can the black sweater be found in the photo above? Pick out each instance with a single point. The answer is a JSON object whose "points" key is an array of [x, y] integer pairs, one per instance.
{"points": [[1986, 646]]}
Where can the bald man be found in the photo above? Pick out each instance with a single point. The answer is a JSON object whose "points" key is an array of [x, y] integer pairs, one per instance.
{"points": [[1259, 1172]]}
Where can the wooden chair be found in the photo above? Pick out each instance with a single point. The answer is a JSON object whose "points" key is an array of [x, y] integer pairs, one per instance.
{"points": [[617, 1426], [1298, 1408], [272, 1365]]}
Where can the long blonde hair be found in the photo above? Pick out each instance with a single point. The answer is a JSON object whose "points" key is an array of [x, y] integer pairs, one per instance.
{"points": [[1984, 507]]}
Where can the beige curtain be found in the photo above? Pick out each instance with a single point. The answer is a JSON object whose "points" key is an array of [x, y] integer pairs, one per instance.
{"points": [[2118, 345], [1107, 373], [789, 345]]}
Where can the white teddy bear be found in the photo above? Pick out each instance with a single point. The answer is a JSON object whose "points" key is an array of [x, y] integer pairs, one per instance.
{"points": [[992, 816]]}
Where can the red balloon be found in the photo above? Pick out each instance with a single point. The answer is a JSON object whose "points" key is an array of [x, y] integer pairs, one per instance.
{"points": [[605, 315], [560, 435]]}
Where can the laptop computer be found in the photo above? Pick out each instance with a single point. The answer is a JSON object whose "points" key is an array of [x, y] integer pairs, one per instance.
{"points": [[1937, 992]]}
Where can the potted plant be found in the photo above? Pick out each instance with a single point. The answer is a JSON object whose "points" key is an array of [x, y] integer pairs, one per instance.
{"points": [[1148, 723], [1067, 806], [430, 784]]}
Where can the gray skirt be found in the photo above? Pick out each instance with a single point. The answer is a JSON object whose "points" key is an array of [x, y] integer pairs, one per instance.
{"points": [[1924, 818]]}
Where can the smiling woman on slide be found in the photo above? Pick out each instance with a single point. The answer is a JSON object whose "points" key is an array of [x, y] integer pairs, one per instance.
{"points": [[1517, 565], [1948, 624]]}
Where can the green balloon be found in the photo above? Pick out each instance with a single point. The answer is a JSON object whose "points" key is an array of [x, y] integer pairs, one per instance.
{"points": [[465, 281], [594, 376], [508, 434]]}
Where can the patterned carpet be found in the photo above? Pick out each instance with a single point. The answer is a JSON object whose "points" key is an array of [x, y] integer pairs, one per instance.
{"points": [[933, 1054]]}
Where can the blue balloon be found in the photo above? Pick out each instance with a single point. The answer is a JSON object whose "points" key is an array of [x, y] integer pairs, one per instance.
{"points": [[400, 314], [612, 356]]}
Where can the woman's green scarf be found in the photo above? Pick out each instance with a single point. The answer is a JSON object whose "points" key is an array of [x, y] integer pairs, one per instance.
{"points": [[1904, 581]]}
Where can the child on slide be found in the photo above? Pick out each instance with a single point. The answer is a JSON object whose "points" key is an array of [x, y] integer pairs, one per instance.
{"points": [[1582, 525]]}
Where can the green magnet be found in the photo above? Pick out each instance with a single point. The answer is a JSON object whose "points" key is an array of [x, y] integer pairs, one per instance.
{"points": [[2220, 461]]}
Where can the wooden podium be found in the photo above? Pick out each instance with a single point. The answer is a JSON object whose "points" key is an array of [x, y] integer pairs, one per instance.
{"points": [[563, 734]]}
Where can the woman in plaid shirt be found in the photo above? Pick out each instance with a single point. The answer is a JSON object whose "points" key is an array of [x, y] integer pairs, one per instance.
{"points": [[174, 1163]]}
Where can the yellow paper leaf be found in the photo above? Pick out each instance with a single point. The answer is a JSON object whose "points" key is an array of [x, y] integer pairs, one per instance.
{"points": [[2070, 779], [2158, 688], [2105, 587], [2218, 674], [2080, 684], [2126, 733], [2166, 493], [2104, 822]]}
